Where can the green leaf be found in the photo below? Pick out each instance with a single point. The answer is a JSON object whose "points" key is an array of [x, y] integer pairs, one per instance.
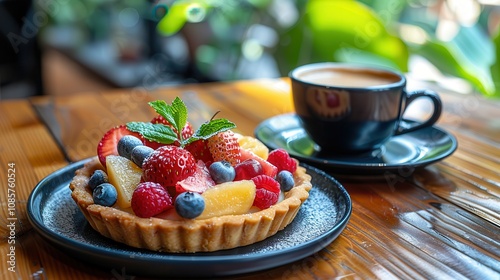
{"points": [[179, 114], [210, 129], [153, 132]]}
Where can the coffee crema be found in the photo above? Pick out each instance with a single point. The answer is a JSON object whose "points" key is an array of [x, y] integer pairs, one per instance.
{"points": [[340, 77]]}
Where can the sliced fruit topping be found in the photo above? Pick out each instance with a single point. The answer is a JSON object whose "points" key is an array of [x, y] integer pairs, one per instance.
{"points": [[199, 182], [200, 151], [140, 153], [222, 171], [150, 199], [168, 165], [105, 194], [97, 178], [282, 160], [109, 142], [268, 168], [189, 205], [125, 176], [286, 180], [224, 146], [126, 144], [248, 169], [268, 191], [253, 145], [231, 198]]}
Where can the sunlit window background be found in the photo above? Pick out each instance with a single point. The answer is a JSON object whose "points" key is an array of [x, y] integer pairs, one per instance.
{"points": [[156, 43]]}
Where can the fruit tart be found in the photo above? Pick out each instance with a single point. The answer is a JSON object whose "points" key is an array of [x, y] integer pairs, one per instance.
{"points": [[163, 186]]}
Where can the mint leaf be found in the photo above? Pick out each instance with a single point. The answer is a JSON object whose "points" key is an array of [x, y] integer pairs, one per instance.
{"points": [[176, 114], [153, 132], [211, 128]]}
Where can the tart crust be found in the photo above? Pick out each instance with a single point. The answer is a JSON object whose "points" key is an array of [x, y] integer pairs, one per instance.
{"points": [[213, 234]]}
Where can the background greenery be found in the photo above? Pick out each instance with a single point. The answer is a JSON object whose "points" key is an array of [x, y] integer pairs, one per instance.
{"points": [[237, 39]]}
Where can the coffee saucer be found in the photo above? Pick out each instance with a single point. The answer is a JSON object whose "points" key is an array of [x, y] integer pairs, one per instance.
{"points": [[400, 155]]}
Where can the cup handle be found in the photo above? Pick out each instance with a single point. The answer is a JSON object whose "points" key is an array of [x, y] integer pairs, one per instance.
{"points": [[406, 126]]}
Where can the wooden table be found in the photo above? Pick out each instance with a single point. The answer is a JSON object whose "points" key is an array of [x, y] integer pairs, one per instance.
{"points": [[442, 221]]}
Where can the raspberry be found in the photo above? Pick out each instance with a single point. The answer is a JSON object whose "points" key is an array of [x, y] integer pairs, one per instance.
{"points": [[282, 160], [150, 199], [268, 191]]}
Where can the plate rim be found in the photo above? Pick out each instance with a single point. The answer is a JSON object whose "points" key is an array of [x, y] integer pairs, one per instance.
{"points": [[378, 167], [66, 243]]}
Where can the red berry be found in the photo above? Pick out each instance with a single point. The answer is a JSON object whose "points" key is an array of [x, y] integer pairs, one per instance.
{"points": [[268, 191], [168, 165], [282, 160], [200, 151], [150, 199], [199, 182], [225, 146], [247, 169], [268, 168], [109, 142]]}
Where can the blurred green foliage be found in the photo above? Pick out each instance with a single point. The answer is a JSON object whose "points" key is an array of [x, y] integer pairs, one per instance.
{"points": [[365, 31]]}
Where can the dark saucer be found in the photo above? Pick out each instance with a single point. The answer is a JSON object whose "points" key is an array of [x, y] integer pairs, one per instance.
{"points": [[401, 155]]}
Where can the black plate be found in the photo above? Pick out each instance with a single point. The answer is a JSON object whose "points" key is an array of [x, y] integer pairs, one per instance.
{"points": [[401, 154], [53, 213]]}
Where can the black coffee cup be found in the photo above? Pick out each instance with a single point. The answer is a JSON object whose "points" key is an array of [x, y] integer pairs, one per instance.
{"points": [[348, 108]]}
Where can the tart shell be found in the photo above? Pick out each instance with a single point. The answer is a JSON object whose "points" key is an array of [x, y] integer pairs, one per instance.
{"points": [[207, 235]]}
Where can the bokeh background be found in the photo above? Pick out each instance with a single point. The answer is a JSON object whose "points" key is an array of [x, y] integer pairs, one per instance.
{"points": [[145, 43]]}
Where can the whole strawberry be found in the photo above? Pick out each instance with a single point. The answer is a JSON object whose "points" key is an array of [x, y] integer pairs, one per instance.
{"points": [[200, 151], [168, 165], [225, 146], [150, 199]]}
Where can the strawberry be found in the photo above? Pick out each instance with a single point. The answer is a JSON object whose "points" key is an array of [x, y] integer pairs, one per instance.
{"points": [[282, 160], [268, 191], [225, 146], [199, 182], [268, 168], [150, 199], [187, 132], [109, 142], [168, 165], [200, 151]]}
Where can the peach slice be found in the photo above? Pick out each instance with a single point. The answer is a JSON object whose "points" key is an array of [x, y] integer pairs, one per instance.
{"points": [[253, 145], [125, 176], [230, 198]]}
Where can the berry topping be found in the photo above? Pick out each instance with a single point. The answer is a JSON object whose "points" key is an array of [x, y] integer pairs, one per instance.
{"points": [[224, 146], [126, 144], [248, 169], [222, 171], [189, 205], [199, 182], [282, 160], [105, 194], [200, 151], [139, 154], [286, 180], [150, 199], [268, 191], [97, 178], [109, 142], [268, 168], [168, 165]]}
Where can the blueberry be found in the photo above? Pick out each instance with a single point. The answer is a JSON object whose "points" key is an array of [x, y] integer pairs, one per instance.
{"points": [[189, 205], [139, 154], [126, 144], [97, 178], [105, 194], [285, 178], [222, 171]]}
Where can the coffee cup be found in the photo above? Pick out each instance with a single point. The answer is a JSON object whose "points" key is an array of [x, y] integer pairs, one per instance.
{"points": [[348, 108]]}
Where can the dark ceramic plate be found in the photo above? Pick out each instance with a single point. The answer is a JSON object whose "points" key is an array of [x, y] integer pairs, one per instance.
{"points": [[400, 155], [320, 220]]}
